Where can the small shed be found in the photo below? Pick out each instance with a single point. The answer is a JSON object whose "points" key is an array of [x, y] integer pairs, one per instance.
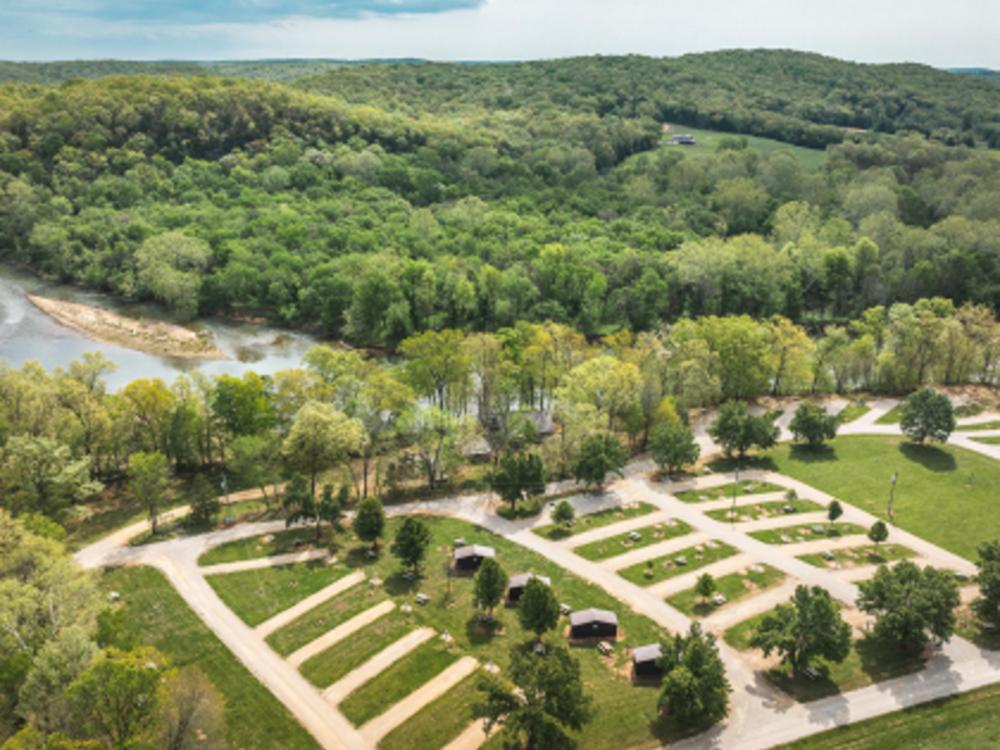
{"points": [[515, 587], [470, 557], [593, 623], [645, 661], [543, 423]]}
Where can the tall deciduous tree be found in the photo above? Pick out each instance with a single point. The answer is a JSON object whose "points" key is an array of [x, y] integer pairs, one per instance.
{"points": [[40, 475], [537, 608], [411, 542], [369, 521], [490, 585], [320, 438], [543, 701], [927, 415], [599, 455], [910, 604], [737, 430], [673, 446], [695, 690], [987, 604], [519, 476], [147, 473], [809, 626]]}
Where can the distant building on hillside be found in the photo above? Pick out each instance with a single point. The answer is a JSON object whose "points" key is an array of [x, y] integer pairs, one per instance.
{"points": [[683, 139]]}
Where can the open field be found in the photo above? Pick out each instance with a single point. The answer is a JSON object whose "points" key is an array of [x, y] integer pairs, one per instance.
{"points": [[945, 494], [616, 545], [594, 521], [734, 587], [967, 721], [662, 568], [256, 595], [255, 720], [708, 142]]}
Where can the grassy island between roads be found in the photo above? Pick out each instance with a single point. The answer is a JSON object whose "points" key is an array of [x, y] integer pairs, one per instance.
{"points": [[946, 495]]}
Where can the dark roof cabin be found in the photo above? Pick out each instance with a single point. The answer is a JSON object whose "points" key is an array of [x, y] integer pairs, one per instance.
{"points": [[543, 423], [515, 587], [469, 558], [644, 661], [683, 139], [593, 623]]}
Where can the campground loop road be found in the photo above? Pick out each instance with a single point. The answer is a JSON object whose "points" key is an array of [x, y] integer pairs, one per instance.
{"points": [[760, 716]]}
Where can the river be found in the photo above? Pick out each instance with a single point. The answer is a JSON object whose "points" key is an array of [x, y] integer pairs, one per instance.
{"points": [[27, 333]]}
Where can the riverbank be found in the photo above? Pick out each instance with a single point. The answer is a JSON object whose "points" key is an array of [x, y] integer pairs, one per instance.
{"points": [[153, 337]]}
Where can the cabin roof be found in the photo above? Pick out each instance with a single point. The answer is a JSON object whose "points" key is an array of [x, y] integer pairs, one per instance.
{"points": [[584, 616], [521, 580], [651, 652], [474, 550]]}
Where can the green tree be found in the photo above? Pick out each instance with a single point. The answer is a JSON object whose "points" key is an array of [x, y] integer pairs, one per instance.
{"points": [[604, 382], [599, 455], [987, 604], [927, 415], [320, 438], [564, 513], [878, 533], [116, 698], [170, 268], [42, 700], [834, 511], [436, 361], [673, 446], [812, 424], [253, 460], [537, 608], [695, 690], [543, 701], [519, 476], [147, 474], [369, 521], [705, 586], [40, 475], [736, 429], [808, 627], [191, 712], [411, 542], [490, 585], [242, 405], [205, 505], [910, 604], [436, 436]]}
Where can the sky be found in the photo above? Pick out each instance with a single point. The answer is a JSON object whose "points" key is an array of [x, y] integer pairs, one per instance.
{"points": [[945, 34]]}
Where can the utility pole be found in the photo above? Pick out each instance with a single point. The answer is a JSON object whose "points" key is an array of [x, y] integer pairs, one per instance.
{"points": [[892, 493]]}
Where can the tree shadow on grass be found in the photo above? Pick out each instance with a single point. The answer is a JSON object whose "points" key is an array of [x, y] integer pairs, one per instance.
{"points": [[668, 730], [881, 660], [801, 687], [811, 454], [480, 630], [400, 583], [930, 457], [729, 465]]}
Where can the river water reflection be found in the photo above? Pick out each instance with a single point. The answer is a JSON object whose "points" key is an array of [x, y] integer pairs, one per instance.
{"points": [[27, 333]]}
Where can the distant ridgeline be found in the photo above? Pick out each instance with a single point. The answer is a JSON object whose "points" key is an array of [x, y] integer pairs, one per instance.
{"points": [[372, 201]]}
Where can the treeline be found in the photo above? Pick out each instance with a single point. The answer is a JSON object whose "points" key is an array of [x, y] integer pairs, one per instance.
{"points": [[390, 425], [792, 96]]}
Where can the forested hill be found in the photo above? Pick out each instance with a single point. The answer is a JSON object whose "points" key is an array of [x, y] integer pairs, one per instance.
{"points": [[797, 97], [365, 203], [792, 96]]}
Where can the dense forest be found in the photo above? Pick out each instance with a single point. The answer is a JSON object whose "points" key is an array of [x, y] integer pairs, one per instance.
{"points": [[374, 201]]}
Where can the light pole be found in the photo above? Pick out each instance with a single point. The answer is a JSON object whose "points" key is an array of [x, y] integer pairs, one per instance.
{"points": [[892, 493]]}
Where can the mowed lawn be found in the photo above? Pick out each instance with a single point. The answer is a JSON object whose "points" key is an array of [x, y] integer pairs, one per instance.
{"points": [[624, 714], [255, 720], [947, 495], [594, 520], [669, 566], [966, 721], [257, 595], [617, 545]]}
